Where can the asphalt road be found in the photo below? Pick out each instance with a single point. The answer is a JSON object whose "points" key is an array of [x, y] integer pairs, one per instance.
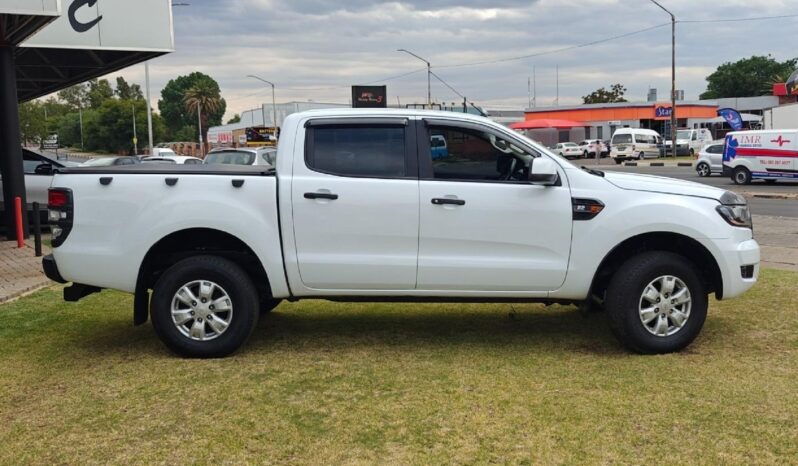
{"points": [[759, 206]]}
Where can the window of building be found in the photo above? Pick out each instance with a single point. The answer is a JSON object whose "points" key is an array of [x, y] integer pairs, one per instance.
{"points": [[600, 132], [367, 151]]}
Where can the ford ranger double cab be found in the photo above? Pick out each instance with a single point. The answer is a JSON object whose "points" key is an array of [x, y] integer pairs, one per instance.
{"points": [[360, 208]]}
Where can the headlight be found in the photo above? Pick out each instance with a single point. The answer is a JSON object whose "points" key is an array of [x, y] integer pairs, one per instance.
{"points": [[734, 209]]}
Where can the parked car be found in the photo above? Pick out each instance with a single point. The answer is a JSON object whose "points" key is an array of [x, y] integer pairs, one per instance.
{"points": [[768, 155], [356, 210], [689, 141], [110, 161], [162, 152], [438, 147], [38, 170], [635, 144], [590, 147], [243, 156], [173, 159], [710, 160], [569, 150]]}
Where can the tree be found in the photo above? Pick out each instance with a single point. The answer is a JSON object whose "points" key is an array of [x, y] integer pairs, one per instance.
{"points": [[98, 92], [32, 127], [173, 109], [745, 78], [203, 98], [110, 127], [75, 96], [127, 91], [602, 96], [236, 119]]}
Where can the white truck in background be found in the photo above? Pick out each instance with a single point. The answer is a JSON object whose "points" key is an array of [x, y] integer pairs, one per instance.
{"points": [[359, 209]]}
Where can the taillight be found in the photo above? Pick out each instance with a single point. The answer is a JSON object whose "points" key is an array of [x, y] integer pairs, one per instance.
{"points": [[60, 213]]}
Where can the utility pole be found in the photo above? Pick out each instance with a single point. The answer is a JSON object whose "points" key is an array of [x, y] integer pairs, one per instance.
{"points": [[274, 105], [673, 76], [149, 109], [135, 137], [429, 75], [199, 125]]}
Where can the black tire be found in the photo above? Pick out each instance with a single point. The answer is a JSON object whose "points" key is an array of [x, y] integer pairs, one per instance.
{"points": [[267, 305], [703, 170], [641, 156], [232, 279], [618, 161], [741, 175], [692, 152], [624, 296], [770, 181], [585, 154]]}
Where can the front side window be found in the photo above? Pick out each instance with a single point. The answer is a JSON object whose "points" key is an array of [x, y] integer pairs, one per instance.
{"points": [[475, 155], [363, 151]]}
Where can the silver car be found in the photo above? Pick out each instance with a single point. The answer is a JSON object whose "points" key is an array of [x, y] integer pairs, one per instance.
{"points": [[710, 160], [243, 156]]}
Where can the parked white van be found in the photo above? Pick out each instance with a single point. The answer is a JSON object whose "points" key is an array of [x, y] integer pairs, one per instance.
{"points": [[689, 141], [634, 144], [763, 154]]}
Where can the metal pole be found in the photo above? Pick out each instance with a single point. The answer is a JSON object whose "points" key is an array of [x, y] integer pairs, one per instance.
{"points": [[429, 75], [199, 125], [37, 229], [135, 138], [673, 76], [80, 116], [149, 109], [274, 114]]}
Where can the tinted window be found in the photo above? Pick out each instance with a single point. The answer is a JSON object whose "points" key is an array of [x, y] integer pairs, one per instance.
{"points": [[231, 157], [192, 162], [715, 149], [474, 155], [358, 151], [645, 139], [622, 139]]}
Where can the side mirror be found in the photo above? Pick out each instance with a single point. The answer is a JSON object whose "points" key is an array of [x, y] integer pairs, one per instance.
{"points": [[543, 172], [43, 169]]}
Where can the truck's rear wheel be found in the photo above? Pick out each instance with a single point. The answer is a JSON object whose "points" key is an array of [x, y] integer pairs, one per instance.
{"points": [[741, 175], [205, 307], [656, 303]]}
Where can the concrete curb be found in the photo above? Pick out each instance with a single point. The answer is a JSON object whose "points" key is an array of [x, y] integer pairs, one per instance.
{"points": [[656, 164], [784, 196], [26, 291], [684, 164]]}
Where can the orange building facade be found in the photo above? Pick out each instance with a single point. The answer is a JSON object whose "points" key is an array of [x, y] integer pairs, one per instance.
{"points": [[601, 120]]}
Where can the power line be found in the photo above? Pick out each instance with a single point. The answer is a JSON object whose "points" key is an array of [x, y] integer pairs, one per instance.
{"points": [[736, 20]]}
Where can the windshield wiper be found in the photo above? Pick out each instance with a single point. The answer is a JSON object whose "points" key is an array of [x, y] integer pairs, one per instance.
{"points": [[593, 172]]}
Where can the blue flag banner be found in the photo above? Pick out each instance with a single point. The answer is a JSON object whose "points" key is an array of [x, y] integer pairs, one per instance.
{"points": [[732, 117]]}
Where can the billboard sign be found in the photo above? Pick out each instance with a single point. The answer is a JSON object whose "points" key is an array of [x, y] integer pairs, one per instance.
{"points": [[27, 7], [51, 142], [260, 136], [369, 97], [143, 25]]}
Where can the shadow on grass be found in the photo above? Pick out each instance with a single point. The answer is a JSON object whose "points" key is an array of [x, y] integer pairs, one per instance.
{"points": [[432, 326]]}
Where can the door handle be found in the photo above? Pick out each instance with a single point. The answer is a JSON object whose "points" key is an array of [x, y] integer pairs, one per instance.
{"points": [[446, 200], [329, 196]]}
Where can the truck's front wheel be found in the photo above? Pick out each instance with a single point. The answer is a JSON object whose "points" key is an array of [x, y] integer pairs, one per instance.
{"points": [[656, 303], [204, 306]]}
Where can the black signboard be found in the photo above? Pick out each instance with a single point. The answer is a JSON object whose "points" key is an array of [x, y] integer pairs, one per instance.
{"points": [[369, 96]]}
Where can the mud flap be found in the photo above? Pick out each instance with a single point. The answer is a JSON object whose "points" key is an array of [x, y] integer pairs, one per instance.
{"points": [[141, 300]]}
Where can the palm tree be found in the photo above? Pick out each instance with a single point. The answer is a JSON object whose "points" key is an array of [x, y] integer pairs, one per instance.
{"points": [[203, 96]]}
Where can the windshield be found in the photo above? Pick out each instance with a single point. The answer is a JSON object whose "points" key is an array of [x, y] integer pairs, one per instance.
{"points": [[622, 139], [231, 157], [154, 160], [570, 144], [100, 162], [685, 134]]}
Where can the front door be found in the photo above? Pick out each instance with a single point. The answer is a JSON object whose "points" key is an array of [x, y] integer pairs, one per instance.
{"points": [[484, 227], [355, 206]]}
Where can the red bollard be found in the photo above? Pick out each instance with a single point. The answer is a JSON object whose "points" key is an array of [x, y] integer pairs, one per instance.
{"points": [[18, 214]]}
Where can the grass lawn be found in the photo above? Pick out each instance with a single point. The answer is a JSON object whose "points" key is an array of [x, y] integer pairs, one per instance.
{"points": [[325, 383]]}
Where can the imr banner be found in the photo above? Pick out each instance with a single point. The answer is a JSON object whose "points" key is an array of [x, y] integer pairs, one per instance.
{"points": [[141, 25]]}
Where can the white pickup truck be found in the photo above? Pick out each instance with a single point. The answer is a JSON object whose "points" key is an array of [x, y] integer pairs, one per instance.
{"points": [[357, 209]]}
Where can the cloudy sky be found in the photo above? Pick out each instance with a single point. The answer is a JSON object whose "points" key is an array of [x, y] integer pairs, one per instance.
{"points": [[315, 49]]}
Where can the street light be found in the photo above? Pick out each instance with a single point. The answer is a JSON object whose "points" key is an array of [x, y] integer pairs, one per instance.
{"points": [[274, 104], [673, 76], [429, 75]]}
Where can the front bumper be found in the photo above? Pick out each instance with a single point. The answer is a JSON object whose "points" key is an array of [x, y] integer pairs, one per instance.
{"points": [[738, 260]]}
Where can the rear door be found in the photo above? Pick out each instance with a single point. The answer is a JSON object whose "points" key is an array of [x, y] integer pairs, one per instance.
{"points": [[484, 227], [355, 205]]}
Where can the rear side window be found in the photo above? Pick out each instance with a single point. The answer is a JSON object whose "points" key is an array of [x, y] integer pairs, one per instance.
{"points": [[715, 149], [362, 151], [622, 139]]}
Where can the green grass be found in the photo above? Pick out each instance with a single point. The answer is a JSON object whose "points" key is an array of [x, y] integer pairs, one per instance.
{"points": [[325, 383]]}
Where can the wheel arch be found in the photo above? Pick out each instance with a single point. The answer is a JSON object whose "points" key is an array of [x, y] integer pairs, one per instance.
{"points": [[693, 251], [189, 242]]}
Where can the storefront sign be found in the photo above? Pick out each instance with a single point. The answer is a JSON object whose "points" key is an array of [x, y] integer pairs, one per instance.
{"points": [[662, 112]]}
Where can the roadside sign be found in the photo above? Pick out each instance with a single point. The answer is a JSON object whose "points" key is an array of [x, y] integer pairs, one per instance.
{"points": [[51, 143]]}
